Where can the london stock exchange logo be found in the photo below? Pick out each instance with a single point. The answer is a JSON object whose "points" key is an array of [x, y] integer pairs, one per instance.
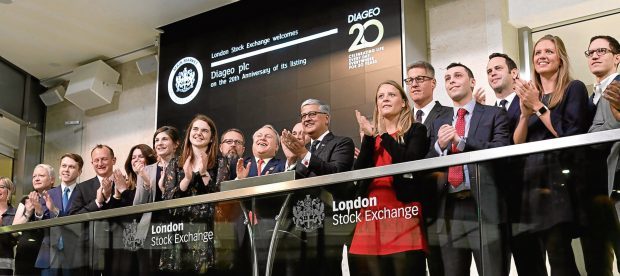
{"points": [[309, 214], [131, 241], [185, 80]]}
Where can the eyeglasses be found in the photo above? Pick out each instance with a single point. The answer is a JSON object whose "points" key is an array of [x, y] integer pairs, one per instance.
{"points": [[599, 52], [231, 141], [418, 80], [310, 115]]}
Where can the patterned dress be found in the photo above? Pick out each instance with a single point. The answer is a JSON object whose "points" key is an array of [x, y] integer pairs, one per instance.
{"points": [[193, 255]]}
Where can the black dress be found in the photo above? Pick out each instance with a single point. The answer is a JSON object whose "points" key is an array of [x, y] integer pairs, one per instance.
{"points": [[548, 195], [7, 242], [196, 256]]}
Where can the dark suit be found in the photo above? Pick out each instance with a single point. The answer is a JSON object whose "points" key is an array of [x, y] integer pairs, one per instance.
{"points": [[435, 264], [53, 256], [333, 155], [84, 196], [458, 219], [437, 111], [274, 165]]}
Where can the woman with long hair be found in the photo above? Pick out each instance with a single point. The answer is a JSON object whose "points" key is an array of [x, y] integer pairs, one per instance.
{"points": [[166, 141], [7, 214], [552, 105], [392, 246], [194, 172]]}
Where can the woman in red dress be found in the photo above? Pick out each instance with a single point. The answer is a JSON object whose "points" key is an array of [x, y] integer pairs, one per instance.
{"points": [[389, 240]]}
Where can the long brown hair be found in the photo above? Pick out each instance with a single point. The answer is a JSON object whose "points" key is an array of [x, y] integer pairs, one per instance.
{"points": [[149, 156], [211, 148], [564, 77], [405, 118]]}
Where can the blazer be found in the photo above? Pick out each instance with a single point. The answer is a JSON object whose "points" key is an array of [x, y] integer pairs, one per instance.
{"points": [[334, 155], [604, 120], [146, 196], [49, 251], [274, 165], [437, 111], [415, 147], [84, 196], [513, 113], [488, 129]]}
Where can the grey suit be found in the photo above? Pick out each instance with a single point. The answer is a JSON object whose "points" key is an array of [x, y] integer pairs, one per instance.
{"points": [[604, 120], [145, 196]]}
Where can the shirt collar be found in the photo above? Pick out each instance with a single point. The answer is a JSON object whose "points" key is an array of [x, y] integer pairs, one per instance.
{"points": [[508, 99], [426, 109], [70, 186], [320, 137], [468, 106], [265, 160], [606, 81]]}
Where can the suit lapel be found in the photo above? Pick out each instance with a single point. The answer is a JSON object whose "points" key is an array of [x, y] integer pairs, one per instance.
{"points": [[56, 195], [514, 106], [324, 142], [475, 119], [270, 166]]}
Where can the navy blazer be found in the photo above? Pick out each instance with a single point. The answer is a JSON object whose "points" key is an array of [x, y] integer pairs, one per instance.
{"points": [[488, 129], [274, 165], [334, 155]]}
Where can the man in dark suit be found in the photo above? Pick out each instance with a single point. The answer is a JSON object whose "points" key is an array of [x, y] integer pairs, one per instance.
{"points": [[96, 193], [502, 72], [470, 127], [421, 84], [325, 154], [59, 253], [600, 195]]}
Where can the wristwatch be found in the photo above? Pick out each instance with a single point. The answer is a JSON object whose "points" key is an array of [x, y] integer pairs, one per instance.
{"points": [[542, 111]]}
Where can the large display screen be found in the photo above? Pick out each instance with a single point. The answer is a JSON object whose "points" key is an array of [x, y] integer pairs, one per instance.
{"points": [[252, 63]]}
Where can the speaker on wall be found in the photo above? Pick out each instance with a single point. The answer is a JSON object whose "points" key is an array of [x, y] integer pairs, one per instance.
{"points": [[92, 85], [53, 95]]}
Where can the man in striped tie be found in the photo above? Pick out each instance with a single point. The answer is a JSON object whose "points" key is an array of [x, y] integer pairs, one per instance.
{"points": [[471, 126]]}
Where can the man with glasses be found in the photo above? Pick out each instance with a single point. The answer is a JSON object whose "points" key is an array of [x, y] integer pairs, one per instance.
{"points": [[601, 232], [326, 153], [232, 147], [421, 83]]}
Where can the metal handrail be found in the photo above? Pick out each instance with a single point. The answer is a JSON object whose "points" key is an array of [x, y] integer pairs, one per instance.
{"points": [[400, 168]]}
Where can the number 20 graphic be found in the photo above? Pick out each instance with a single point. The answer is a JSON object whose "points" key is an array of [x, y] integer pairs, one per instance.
{"points": [[360, 41]]}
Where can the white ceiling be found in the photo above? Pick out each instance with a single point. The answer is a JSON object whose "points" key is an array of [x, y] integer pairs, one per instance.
{"points": [[47, 38]]}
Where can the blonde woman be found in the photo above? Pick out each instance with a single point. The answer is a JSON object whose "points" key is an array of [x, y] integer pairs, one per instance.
{"points": [[393, 246]]}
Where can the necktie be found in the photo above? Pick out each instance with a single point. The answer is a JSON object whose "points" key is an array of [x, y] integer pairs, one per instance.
{"points": [[598, 90], [503, 103], [418, 116], [314, 146], [455, 173], [260, 166], [65, 200]]}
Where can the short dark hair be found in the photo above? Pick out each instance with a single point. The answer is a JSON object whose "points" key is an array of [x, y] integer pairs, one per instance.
{"points": [[232, 130], [100, 146], [458, 64], [430, 70], [76, 157], [171, 131], [511, 63], [613, 43]]}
